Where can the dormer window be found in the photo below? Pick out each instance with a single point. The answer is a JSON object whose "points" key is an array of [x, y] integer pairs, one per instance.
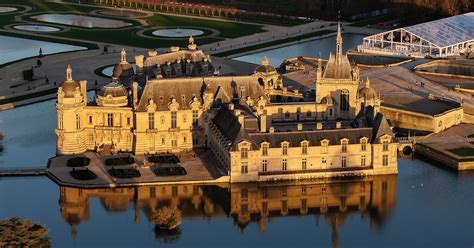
{"points": [[284, 149], [264, 149], [344, 143], [385, 145], [324, 146], [304, 147], [363, 144]]}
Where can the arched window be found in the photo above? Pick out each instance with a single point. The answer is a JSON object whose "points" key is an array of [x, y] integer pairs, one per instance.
{"points": [[78, 121], [344, 100]]}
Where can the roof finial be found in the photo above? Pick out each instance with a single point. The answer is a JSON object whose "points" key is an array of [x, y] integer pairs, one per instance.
{"points": [[123, 56], [367, 83], [69, 73], [265, 61], [191, 40]]}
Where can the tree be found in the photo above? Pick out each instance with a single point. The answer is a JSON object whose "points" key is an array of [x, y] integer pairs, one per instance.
{"points": [[39, 63], [40, 53], [106, 49]]}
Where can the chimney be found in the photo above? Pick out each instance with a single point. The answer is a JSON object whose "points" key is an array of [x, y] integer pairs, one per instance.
{"points": [[272, 130], [231, 106], [152, 53], [299, 127], [338, 125], [241, 120], [83, 85], [319, 126], [263, 123], [139, 60], [135, 93]]}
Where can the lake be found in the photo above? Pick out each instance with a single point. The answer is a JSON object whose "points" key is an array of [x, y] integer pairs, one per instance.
{"points": [[12, 48], [424, 206]]}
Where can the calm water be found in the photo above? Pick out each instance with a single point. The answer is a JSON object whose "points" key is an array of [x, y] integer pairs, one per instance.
{"points": [[309, 49], [177, 32], [424, 206], [81, 21], [36, 28], [12, 48]]}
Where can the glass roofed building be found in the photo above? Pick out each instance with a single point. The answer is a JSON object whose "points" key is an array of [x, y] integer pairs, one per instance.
{"points": [[441, 38]]}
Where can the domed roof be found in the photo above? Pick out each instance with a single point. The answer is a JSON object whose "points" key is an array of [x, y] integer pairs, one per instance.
{"points": [[123, 71], [367, 92], [265, 67], [69, 86], [114, 89], [327, 100]]}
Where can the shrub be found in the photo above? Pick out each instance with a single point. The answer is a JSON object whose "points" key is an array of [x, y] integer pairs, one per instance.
{"points": [[119, 161], [78, 162], [170, 171], [83, 175], [124, 173], [164, 159]]}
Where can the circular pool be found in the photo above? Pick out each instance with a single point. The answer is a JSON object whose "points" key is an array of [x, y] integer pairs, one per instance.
{"points": [[177, 32], [36, 28], [7, 9], [108, 71]]}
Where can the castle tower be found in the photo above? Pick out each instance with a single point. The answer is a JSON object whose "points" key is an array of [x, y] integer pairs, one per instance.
{"points": [[70, 105], [367, 96]]}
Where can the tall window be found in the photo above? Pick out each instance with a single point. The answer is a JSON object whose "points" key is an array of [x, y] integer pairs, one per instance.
{"points": [[174, 143], [385, 160], [344, 100], [151, 120], [284, 149], [60, 121], [284, 164], [304, 163], [323, 162], [78, 121], [362, 160], [244, 152], [363, 145], [344, 145], [90, 119], [265, 150], [343, 161], [304, 148], [264, 165], [244, 169], [195, 118], [324, 147], [128, 121], [385, 145], [110, 119], [173, 119]]}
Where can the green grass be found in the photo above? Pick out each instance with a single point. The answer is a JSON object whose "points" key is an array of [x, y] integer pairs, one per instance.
{"points": [[272, 43], [78, 162], [28, 96], [83, 175]]}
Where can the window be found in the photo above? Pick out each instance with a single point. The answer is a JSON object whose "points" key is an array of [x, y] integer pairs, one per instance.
{"points": [[60, 121], [195, 141], [128, 121], [303, 190], [151, 120], [185, 140], [344, 145], [78, 121], [162, 141], [173, 119], [385, 145], [110, 119], [174, 143], [90, 119], [287, 114], [344, 100], [385, 160], [264, 165], [343, 162], [244, 152], [324, 147], [244, 168], [91, 137], [284, 164], [304, 148], [195, 118], [308, 114], [284, 206], [303, 164], [284, 149], [323, 162], [304, 204], [362, 160], [284, 192], [363, 145], [244, 194], [265, 150]]}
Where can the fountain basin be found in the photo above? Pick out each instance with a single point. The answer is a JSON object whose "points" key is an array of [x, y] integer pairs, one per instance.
{"points": [[178, 32], [36, 28]]}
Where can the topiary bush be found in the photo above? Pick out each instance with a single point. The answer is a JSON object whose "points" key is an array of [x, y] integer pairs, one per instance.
{"points": [[119, 161], [83, 175], [170, 171], [78, 162], [164, 159], [127, 173]]}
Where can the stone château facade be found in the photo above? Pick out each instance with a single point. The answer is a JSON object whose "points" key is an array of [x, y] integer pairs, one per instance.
{"points": [[257, 128]]}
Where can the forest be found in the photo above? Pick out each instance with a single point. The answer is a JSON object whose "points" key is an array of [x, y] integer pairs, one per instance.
{"points": [[407, 11]]}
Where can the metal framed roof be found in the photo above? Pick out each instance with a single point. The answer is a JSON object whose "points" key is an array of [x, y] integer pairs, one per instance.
{"points": [[446, 32]]}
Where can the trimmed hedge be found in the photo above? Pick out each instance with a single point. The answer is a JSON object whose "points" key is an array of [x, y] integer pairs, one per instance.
{"points": [[162, 159], [170, 171], [83, 175], [78, 162], [119, 161], [124, 173]]}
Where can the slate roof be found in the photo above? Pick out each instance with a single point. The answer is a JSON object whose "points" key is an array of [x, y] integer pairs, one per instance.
{"points": [[333, 70]]}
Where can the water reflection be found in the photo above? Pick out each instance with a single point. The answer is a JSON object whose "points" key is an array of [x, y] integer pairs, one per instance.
{"points": [[81, 21], [334, 202]]}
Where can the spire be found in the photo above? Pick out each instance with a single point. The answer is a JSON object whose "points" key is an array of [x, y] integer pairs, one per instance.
{"points": [[265, 61], [69, 73], [367, 83], [339, 41], [123, 56], [191, 40]]}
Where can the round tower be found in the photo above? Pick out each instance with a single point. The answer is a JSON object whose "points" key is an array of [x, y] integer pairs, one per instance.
{"points": [[70, 105]]}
